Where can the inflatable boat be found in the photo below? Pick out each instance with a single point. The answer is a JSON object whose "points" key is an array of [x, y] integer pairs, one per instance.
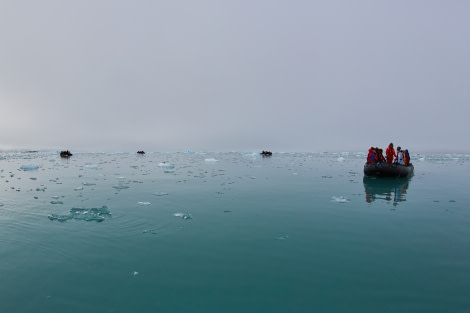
{"points": [[383, 169]]}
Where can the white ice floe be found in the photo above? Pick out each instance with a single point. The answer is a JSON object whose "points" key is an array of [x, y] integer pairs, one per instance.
{"points": [[143, 203], [160, 194], [341, 159], [184, 216], [91, 166], [166, 165], [84, 214], [120, 187], [29, 167], [211, 160], [339, 199]]}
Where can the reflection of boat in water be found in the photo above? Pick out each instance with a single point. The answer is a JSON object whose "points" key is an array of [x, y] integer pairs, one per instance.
{"points": [[384, 169], [386, 188]]}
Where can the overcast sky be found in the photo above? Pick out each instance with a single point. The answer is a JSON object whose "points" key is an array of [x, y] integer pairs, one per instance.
{"points": [[234, 75]]}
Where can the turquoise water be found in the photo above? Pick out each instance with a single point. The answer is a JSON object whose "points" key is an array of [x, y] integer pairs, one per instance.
{"points": [[232, 232]]}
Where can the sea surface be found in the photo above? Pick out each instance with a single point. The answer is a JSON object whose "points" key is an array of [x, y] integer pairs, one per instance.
{"points": [[231, 232]]}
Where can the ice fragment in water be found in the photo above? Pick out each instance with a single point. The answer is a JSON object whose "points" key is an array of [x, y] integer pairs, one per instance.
{"points": [[160, 194], [120, 187], [29, 167], [340, 199], [143, 203], [184, 216], [166, 165], [84, 214], [340, 159], [91, 166], [210, 160]]}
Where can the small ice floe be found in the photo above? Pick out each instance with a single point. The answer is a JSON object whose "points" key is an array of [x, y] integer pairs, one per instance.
{"points": [[149, 231], [78, 188], [166, 165], [84, 214], [184, 216], [211, 160], [88, 184], [135, 273], [283, 237], [341, 159], [120, 187], [160, 194], [143, 203], [29, 167], [91, 166], [339, 199]]}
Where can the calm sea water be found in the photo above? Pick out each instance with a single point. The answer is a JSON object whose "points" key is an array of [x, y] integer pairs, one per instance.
{"points": [[232, 232]]}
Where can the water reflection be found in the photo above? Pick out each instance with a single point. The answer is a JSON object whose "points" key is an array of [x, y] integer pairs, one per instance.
{"points": [[386, 188]]}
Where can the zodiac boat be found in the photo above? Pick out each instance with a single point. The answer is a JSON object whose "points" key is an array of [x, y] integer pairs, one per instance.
{"points": [[383, 169]]}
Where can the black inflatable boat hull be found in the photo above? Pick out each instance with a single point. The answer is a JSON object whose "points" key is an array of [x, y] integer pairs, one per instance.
{"points": [[383, 169]]}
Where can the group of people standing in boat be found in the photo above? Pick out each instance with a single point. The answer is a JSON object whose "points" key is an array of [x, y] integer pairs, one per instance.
{"points": [[400, 156]]}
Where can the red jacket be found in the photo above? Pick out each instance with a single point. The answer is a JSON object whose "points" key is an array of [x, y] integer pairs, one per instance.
{"points": [[390, 152], [372, 156]]}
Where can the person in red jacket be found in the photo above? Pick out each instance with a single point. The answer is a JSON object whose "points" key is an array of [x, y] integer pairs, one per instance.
{"points": [[390, 152], [372, 156], [380, 155]]}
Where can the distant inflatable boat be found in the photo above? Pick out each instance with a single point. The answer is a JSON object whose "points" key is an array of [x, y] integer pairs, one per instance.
{"points": [[65, 154], [266, 153], [383, 169]]}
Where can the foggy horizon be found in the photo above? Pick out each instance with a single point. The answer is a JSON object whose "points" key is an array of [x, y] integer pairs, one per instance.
{"points": [[234, 76]]}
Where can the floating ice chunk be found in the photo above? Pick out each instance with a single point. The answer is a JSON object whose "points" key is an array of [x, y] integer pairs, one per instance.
{"points": [[339, 199], [160, 193], [88, 184], [135, 273], [91, 166], [166, 165], [78, 188], [84, 214], [120, 187], [143, 203], [340, 159], [211, 160], [184, 216], [29, 167]]}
